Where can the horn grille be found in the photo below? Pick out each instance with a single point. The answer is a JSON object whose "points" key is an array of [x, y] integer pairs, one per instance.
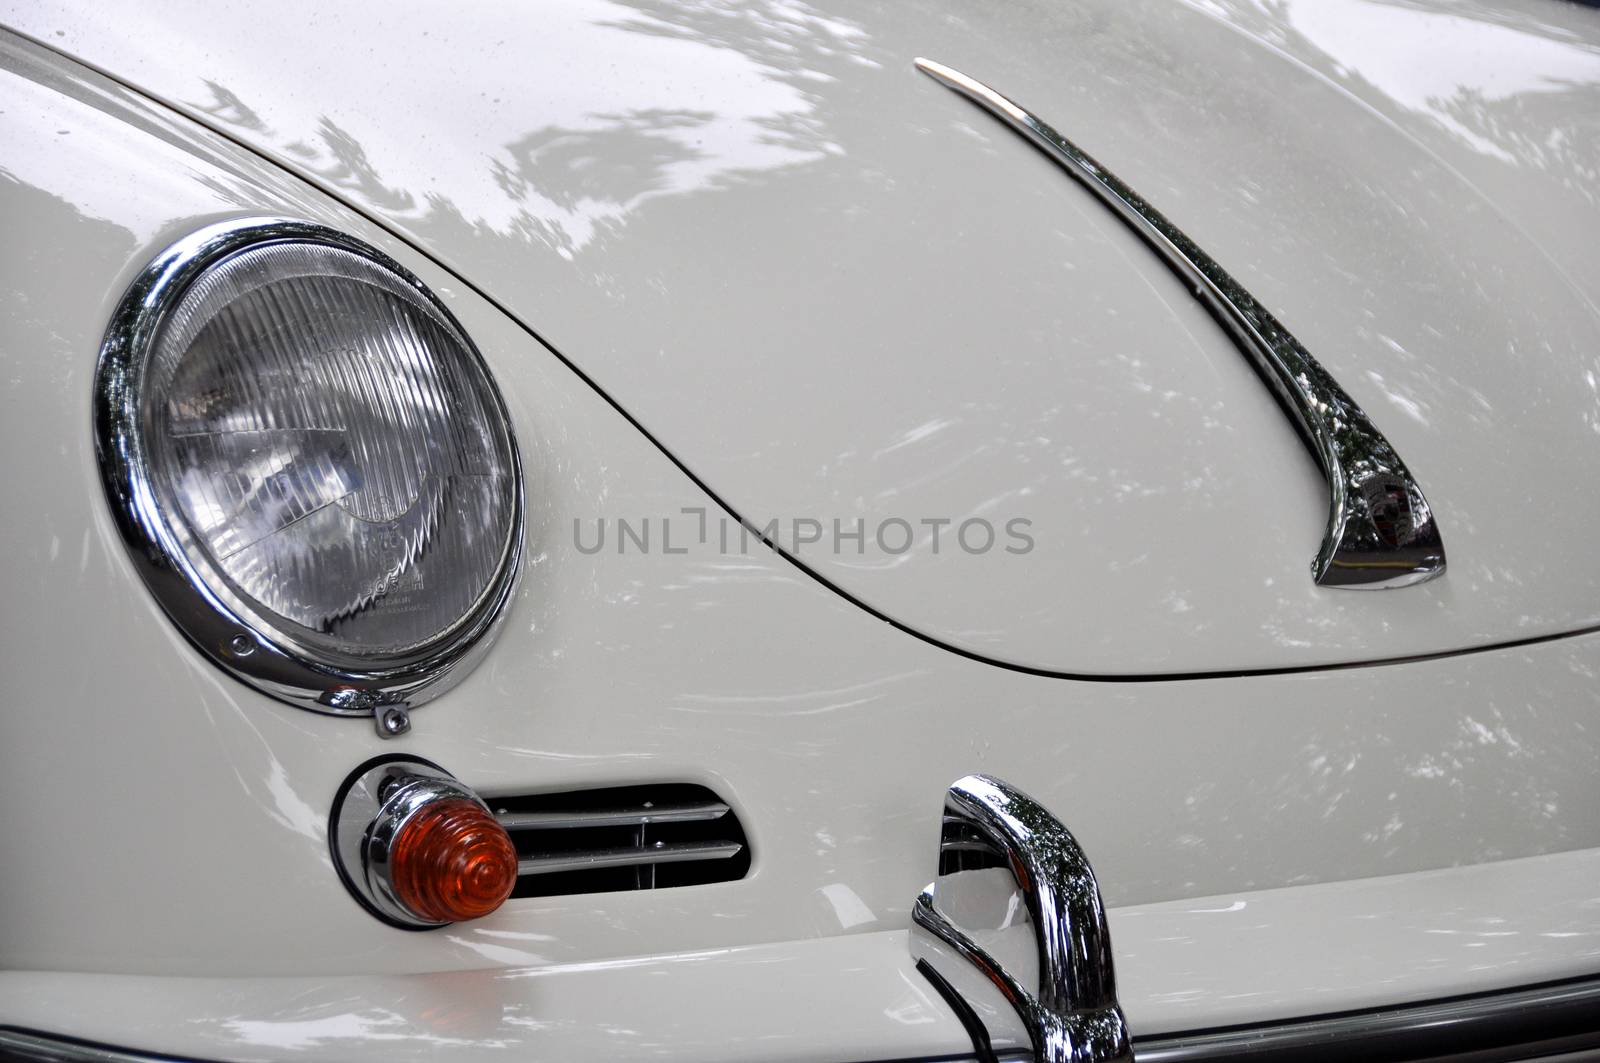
{"points": [[622, 838]]}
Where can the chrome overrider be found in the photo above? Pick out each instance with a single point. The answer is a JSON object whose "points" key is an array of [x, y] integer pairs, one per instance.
{"points": [[992, 829], [1381, 532]]}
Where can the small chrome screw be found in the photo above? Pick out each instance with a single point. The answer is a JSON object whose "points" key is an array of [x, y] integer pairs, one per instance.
{"points": [[241, 645], [393, 721]]}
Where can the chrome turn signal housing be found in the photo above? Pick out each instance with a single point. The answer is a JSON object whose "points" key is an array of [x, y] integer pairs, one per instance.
{"points": [[418, 849]]}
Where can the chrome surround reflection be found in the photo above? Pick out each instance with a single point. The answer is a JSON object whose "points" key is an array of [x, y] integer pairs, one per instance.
{"points": [[1381, 532], [1073, 1017], [372, 807], [268, 660]]}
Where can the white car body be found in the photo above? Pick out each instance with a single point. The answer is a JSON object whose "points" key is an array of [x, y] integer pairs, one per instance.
{"points": [[790, 278]]}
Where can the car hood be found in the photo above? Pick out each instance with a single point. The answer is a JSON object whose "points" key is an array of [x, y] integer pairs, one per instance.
{"points": [[847, 300]]}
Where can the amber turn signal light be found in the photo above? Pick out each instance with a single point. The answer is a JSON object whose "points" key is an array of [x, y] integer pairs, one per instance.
{"points": [[451, 861], [416, 847]]}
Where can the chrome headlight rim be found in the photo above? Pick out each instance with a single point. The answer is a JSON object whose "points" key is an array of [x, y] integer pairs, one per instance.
{"points": [[228, 632]]}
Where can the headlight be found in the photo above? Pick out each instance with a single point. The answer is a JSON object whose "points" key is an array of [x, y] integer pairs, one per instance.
{"points": [[311, 463]]}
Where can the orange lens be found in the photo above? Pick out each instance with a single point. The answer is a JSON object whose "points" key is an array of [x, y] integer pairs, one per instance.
{"points": [[452, 861]]}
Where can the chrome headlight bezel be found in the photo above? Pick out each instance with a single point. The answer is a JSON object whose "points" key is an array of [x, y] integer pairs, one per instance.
{"points": [[252, 650]]}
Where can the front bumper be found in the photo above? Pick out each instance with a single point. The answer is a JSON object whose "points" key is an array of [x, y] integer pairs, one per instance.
{"points": [[469, 1018], [1386, 944]]}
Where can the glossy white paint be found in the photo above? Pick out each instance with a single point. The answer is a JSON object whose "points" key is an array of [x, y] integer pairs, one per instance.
{"points": [[834, 734], [836, 291], [857, 997], [1244, 958]]}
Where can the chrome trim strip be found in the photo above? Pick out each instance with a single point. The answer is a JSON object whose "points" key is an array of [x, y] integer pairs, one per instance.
{"points": [[226, 630], [25, 1046], [659, 853], [1075, 1017], [1516, 1025], [692, 812], [1381, 532]]}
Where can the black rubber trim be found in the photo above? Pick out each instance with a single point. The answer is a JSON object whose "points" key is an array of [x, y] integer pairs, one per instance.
{"points": [[333, 837], [983, 1049], [335, 195], [1522, 1024]]}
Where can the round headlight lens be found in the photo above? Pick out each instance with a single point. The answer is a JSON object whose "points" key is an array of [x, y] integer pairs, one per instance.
{"points": [[320, 450]]}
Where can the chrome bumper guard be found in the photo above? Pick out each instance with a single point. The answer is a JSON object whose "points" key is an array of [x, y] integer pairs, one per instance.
{"points": [[1013, 883]]}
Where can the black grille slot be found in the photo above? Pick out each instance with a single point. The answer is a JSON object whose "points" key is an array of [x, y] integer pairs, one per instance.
{"points": [[963, 847], [623, 838]]}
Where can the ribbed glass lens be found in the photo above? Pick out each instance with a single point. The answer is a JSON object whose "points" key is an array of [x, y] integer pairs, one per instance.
{"points": [[329, 450]]}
